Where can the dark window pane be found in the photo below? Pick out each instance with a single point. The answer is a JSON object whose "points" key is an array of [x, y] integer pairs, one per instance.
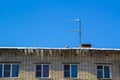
{"points": [[6, 73], [99, 74], [106, 72], [15, 70], [38, 73], [66, 67], [99, 67], [38, 67], [66, 74], [6, 67], [45, 70], [74, 71], [0, 70], [66, 70], [7, 70]]}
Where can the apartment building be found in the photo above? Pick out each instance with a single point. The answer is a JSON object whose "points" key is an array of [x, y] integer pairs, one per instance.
{"points": [[59, 64]]}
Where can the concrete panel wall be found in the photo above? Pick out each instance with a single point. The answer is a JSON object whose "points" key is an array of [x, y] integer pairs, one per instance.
{"points": [[86, 59]]}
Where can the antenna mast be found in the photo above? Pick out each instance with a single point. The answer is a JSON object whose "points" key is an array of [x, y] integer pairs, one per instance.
{"points": [[79, 30]]}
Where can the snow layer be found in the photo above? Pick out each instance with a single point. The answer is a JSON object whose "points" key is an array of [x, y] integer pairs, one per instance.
{"points": [[58, 48]]}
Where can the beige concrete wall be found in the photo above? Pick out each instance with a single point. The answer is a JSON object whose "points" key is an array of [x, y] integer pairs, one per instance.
{"points": [[86, 59]]}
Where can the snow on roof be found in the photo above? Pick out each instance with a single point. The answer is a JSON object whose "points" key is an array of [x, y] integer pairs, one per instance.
{"points": [[60, 48]]}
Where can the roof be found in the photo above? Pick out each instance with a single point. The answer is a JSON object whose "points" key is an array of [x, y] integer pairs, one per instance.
{"points": [[59, 48]]}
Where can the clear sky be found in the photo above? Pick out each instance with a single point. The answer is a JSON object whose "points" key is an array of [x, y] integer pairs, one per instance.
{"points": [[45, 23]]}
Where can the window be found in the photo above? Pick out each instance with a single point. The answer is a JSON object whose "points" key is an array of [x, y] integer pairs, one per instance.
{"points": [[42, 70], [9, 70], [70, 71], [103, 71]]}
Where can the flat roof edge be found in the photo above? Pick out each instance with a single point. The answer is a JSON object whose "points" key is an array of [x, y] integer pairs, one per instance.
{"points": [[58, 48]]}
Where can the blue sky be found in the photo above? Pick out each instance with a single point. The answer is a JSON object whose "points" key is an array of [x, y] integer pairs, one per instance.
{"points": [[45, 23]]}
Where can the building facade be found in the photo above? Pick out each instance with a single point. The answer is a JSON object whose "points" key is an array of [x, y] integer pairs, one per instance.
{"points": [[59, 64]]}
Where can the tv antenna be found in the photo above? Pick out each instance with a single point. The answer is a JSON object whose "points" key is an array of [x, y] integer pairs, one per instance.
{"points": [[79, 30]]}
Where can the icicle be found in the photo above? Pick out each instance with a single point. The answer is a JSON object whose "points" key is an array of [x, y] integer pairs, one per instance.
{"points": [[59, 51], [77, 52], [31, 50], [50, 51], [37, 52], [42, 54], [28, 50], [25, 51]]}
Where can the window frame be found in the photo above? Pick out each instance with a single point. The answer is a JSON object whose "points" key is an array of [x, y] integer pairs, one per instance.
{"points": [[70, 65], [11, 68], [42, 70], [103, 75]]}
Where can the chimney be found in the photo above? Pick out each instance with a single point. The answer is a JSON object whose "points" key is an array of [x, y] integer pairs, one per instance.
{"points": [[86, 46]]}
